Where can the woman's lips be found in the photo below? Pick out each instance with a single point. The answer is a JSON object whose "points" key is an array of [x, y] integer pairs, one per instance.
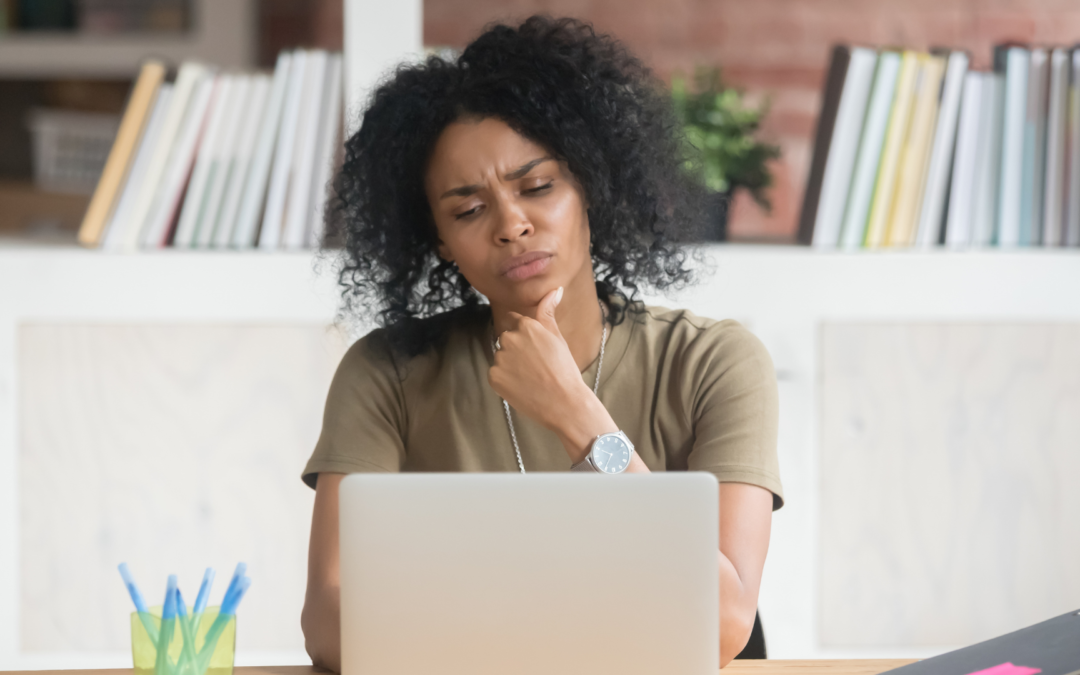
{"points": [[528, 265]]}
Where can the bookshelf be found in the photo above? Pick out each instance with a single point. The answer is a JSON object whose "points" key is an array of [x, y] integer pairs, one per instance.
{"points": [[222, 33]]}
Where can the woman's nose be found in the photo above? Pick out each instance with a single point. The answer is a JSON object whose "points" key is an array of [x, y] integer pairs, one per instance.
{"points": [[512, 222]]}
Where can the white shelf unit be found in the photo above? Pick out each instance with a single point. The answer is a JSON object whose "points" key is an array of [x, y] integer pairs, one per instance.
{"points": [[222, 34], [783, 294]]}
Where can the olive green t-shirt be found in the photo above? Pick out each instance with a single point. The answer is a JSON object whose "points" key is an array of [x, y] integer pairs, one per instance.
{"points": [[690, 393]]}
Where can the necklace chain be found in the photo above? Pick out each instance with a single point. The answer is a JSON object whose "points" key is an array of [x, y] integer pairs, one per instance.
{"points": [[595, 388]]}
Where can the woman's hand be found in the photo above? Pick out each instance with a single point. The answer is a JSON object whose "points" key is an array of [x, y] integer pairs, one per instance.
{"points": [[534, 369]]}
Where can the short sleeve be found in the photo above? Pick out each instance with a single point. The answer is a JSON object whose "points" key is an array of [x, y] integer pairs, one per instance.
{"points": [[364, 419], [734, 406]]}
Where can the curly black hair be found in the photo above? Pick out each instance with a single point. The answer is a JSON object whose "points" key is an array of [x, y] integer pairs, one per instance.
{"points": [[578, 94]]}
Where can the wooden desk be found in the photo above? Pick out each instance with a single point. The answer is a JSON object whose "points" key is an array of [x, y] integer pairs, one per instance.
{"points": [[770, 667]]}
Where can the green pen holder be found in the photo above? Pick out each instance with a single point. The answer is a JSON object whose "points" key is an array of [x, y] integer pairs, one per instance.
{"points": [[144, 651]]}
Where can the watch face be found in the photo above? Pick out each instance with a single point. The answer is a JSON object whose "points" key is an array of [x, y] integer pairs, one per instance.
{"points": [[611, 454]]}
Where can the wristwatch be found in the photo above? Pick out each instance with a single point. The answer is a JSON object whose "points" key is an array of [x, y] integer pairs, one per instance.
{"points": [[609, 453]]}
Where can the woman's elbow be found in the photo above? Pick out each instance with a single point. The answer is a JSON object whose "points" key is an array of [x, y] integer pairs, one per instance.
{"points": [[320, 620]]}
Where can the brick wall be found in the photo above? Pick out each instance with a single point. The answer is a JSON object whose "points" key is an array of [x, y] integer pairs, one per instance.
{"points": [[775, 49]]}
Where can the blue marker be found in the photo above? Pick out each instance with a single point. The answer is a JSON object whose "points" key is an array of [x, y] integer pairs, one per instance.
{"points": [[162, 666], [187, 654], [228, 611], [204, 592], [140, 604], [236, 577]]}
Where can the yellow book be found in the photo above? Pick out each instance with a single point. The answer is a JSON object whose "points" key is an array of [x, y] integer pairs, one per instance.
{"points": [[123, 151], [907, 205], [888, 167]]}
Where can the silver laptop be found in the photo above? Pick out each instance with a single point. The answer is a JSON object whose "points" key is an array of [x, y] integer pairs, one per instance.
{"points": [[485, 574]]}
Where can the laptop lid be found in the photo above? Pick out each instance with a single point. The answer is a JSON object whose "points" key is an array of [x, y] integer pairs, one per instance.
{"points": [[545, 573]]}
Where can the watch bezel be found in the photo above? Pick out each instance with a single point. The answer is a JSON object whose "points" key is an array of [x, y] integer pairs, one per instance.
{"points": [[592, 448]]}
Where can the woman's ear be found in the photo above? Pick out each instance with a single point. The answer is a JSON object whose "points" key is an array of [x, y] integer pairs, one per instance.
{"points": [[444, 252]]}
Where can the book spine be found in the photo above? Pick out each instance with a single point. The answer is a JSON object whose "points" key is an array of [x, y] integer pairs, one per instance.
{"points": [[1012, 146], [1054, 192], [1072, 212], [932, 217], [830, 105]]}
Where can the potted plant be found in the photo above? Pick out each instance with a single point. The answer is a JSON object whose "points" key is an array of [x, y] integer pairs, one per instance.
{"points": [[721, 151]]}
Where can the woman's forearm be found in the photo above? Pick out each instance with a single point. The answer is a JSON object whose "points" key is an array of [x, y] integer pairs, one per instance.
{"points": [[736, 612], [321, 623]]}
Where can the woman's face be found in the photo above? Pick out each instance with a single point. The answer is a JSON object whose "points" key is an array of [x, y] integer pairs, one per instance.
{"points": [[511, 216]]}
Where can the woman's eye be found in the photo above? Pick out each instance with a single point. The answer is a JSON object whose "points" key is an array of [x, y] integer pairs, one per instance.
{"points": [[540, 188], [465, 214]]}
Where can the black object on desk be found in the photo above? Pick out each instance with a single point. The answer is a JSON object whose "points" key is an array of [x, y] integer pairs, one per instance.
{"points": [[1052, 646]]}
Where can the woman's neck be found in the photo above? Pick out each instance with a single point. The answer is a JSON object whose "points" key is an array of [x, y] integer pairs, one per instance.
{"points": [[579, 317]]}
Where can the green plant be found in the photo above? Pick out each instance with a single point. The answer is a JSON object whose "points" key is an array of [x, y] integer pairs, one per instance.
{"points": [[719, 130]]}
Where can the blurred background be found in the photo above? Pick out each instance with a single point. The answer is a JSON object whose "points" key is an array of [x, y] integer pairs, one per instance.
{"points": [[158, 404]]}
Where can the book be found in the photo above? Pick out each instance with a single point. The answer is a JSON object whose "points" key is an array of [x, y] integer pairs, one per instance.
{"points": [[871, 142], [273, 215], [1072, 211], [932, 217], [1054, 191], [158, 227], [222, 156], [298, 198], [881, 205], [826, 126], [991, 120], [122, 154], [961, 212], [839, 160], [1014, 62], [116, 230], [245, 146], [186, 79], [328, 144], [205, 165], [1034, 157], [911, 175], [1051, 647], [245, 231]]}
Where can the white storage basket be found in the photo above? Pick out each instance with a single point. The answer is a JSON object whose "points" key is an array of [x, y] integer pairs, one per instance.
{"points": [[70, 148]]}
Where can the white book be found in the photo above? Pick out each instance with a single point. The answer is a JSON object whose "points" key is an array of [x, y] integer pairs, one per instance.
{"points": [[251, 204], [844, 145], [1034, 157], [870, 144], [1072, 213], [166, 204], [195, 199], [270, 233], [961, 212], [1054, 192], [120, 221], [298, 197], [942, 152], [329, 142], [1017, 64], [223, 151], [983, 231], [234, 190], [190, 73]]}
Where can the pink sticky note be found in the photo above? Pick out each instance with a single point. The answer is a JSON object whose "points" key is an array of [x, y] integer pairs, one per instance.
{"points": [[1007, 669]]}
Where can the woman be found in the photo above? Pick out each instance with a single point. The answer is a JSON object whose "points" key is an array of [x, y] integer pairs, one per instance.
{"points": [[540, 171]]}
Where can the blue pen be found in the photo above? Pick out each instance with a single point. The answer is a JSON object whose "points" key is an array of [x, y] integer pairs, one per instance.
{"points": [[204, 592], [187, 655], [241, 568], [162, 665], [140, 604], [228, 611]]}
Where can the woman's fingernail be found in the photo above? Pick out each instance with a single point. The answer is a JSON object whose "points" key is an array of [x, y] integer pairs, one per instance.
{"points": [[558, 296]]}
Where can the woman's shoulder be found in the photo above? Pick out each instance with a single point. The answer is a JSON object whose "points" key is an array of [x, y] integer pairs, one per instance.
{"points": [[387, 348], [682, 327]]}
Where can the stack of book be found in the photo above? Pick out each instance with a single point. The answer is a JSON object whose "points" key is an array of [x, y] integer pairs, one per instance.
{"points": [[221, 160], [916, 149]]}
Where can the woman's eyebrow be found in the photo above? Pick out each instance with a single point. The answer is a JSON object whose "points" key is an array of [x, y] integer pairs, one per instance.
{"points": [[466, 190]]}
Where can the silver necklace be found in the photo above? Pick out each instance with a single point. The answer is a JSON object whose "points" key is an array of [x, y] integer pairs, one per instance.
{"points": [[595, 387]]}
